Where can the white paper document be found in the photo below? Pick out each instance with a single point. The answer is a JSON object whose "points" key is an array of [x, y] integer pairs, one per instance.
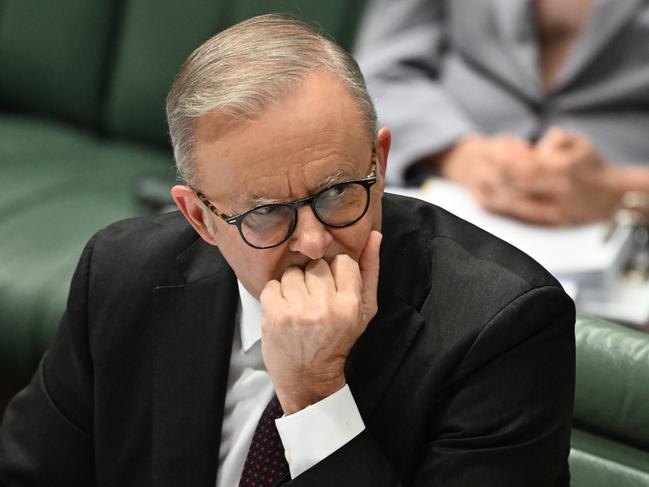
{"points": [[581, 257]]}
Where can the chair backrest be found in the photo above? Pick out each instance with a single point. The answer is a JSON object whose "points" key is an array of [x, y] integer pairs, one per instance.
{"points": [[612, 390], [610, 438], [53, 56], [108, 64]]}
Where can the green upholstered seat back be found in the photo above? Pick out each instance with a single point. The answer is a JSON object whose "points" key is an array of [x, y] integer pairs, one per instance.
{"points": [[156, 37], [610, 437], [598, 461], [53, 56], [108, 64], [153, 43], [612, 387]]}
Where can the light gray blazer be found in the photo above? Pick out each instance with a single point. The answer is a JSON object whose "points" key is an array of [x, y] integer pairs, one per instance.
{"points": [[438, 69]]}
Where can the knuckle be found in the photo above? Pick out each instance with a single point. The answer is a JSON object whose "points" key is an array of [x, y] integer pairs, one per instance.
{"points": [[349, 300], [368, 312], [373, 309], [350, 304], [315, 315], [298, 317], [270, 321]]}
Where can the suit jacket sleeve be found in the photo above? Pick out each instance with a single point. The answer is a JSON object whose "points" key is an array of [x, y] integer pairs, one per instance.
{"points": [[503, 418], [399, 51], [46, 435]]}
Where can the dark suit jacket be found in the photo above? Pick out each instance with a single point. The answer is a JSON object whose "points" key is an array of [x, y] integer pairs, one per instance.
{"points": [[465, 377]]}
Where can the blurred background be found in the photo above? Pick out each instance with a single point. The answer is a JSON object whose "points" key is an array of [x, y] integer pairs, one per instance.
{"points": [[83, 143]]}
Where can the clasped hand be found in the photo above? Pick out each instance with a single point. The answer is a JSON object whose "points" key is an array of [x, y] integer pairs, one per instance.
{"points": [[311, 318], [561, 180]]}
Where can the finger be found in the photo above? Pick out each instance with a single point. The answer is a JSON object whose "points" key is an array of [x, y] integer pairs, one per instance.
{"points": [[580, 149], [553, 140], [509, 151], [541, 181], [293, 287], [318, 279], [539, 212], [369, 267], [271, 296], [346, 275], [517, 147], [528, 208], [525, 174]]}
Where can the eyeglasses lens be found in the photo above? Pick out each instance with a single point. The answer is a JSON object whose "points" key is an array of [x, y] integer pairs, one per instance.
{"points": [[340, 205], [267, 225]]}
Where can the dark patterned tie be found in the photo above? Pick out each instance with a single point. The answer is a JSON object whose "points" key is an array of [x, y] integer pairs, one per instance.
{"points": [[265, 462]]}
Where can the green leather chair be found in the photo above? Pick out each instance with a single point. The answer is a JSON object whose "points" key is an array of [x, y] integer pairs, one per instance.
{"points": [[610, 437]]}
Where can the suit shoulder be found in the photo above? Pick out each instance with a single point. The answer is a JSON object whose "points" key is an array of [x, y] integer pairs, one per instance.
{"points": [[454, 242], [453, 272], [143, 246], [474, 291]]}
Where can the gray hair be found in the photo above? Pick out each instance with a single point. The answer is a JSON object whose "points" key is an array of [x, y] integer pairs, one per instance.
{"points": [[243, 69]]}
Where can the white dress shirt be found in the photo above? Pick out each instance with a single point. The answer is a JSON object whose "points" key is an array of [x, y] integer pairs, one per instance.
{"points": [[330, 423]]}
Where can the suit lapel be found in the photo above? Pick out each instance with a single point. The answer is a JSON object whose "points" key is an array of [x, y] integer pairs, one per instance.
{"points": [[379, 351], [404, 284], [192, 339], [498, 39], [609, 16], [515, 21]]}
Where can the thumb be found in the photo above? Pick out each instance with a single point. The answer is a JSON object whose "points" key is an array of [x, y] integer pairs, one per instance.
{"points": [[555, 139], [368, 264]]}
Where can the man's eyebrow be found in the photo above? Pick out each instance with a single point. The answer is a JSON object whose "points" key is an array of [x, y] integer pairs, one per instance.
{"points": [[248, 203], [251, 202], [329, 180]]}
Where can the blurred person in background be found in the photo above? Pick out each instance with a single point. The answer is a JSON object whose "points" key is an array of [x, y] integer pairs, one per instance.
{"points": [[539, 108]]}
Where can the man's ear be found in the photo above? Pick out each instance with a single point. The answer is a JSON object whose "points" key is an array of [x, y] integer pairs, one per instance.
{"points": [[190, 206], [383, 141]]}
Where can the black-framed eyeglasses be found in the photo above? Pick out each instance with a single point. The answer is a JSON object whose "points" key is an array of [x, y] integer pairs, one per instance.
{"points": [[339, 205]]}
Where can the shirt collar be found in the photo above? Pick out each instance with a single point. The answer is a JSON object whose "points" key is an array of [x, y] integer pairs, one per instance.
{"points": [[250, 323]]}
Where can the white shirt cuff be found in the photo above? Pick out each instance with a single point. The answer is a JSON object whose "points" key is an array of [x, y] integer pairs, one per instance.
{"points": [[315, 432]]}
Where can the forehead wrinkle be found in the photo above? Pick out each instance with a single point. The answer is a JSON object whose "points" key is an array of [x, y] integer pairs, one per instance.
{"points": [[340, 166], [328, 150], [254, 201], [251, 193]]}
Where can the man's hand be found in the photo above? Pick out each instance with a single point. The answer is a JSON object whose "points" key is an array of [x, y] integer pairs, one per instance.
{"points": [[311, 320], [560, 181]]}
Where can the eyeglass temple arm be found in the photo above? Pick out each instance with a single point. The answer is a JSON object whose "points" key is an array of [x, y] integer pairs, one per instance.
{"points": [[211, 207]]}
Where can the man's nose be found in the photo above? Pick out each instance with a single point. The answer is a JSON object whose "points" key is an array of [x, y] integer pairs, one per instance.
{"points": [[310, 237]]}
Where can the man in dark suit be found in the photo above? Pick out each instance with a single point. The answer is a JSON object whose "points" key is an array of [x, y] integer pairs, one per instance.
{"points": [[188, 361]]}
